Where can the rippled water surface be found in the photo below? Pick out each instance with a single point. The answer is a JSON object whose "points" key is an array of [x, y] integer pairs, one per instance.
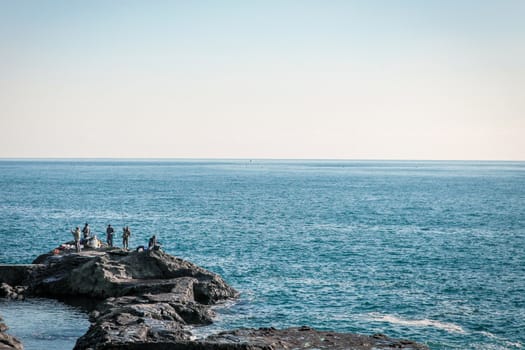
{"points": [[431, 251], [44, 323]]}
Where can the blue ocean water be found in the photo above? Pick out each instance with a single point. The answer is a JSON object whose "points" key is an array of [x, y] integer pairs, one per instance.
{"points": [[430, 251], [44, 323]]}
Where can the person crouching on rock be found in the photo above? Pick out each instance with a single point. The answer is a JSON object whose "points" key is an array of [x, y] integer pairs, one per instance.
{"points": [[125, 237], [76, 236], [109, 235]]}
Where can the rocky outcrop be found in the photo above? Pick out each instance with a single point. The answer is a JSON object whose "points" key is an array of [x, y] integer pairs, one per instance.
{"points": [[8, 342], [115, 273], [274, 339], [152, 300], [144, 297], [305, 338]]}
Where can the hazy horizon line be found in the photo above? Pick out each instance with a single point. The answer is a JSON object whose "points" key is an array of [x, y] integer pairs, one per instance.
{"points": [[251, 159]]}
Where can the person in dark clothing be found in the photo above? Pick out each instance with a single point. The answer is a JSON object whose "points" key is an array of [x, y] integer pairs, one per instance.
{"points": [[86, 231], [109, 235], [125, 237], [152, 242]]}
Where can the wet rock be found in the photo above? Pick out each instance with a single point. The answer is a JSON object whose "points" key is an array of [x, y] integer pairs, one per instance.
{"points": [[17, 275], [8, 342], [273, 339], [100, 274], [6, 291], [122, 324], [15, 293], [305, 338]]}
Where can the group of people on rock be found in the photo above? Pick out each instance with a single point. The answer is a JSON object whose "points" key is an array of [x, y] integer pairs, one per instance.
{"points": [[110, 232], [126, 233]]}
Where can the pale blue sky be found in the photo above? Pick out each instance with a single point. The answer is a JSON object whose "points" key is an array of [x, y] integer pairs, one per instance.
{"points": [[263, 79]]}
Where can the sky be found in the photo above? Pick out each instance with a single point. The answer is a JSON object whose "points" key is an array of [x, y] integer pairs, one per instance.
{"points": [[305, 79]]}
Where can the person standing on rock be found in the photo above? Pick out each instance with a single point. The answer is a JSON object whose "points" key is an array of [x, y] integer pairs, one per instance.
{"points": [[152, 242], [109, 235], [76, 236], [86, 231], [125, 237]]}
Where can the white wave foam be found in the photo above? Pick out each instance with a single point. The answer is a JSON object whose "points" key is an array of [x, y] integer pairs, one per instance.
{"points": [[507, 342], [449, 327]]}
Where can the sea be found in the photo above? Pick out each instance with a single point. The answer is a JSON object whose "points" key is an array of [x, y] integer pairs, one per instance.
{"points": [[432, 251]]}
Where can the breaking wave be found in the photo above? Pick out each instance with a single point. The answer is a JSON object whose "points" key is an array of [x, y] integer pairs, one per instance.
{"points": [[449, 327]]}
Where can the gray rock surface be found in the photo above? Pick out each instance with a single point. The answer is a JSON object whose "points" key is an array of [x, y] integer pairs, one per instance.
{"points": [[308, 338], [152, 300], [8, 342], [112, 273], [273, 339]]}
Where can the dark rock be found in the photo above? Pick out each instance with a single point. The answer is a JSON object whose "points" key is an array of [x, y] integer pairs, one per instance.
{"points": [[273, 339], [136, 324], [17, 275], [106, 274], [305, 338]]}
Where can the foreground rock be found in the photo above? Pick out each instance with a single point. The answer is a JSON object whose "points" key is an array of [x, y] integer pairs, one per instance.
{"points": [[307, 338], [8, 342], [152, 300], [273, 339]]}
